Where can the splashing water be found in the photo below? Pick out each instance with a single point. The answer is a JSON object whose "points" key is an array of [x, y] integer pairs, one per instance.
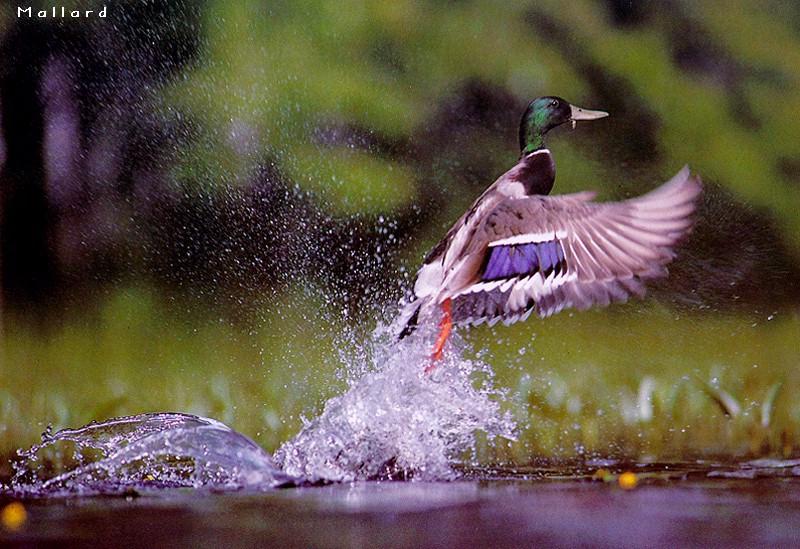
{"points": [[142, 453], [394, 421]]}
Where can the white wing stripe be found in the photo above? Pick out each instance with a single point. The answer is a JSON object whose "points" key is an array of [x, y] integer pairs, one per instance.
{"points": [[529, 238]]}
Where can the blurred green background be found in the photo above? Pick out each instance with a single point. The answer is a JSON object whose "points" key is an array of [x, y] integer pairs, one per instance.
{"points": [[206, 204]]}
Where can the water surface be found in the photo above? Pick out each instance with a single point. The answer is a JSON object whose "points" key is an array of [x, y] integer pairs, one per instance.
{"points": [[681, 505]]}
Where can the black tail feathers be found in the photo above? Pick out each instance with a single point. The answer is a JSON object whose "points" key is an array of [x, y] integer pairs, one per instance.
{"points": [[411, 325]]}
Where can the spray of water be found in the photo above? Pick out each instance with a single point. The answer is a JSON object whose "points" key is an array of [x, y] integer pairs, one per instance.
{"points": [[395, 421], [143, 453]]}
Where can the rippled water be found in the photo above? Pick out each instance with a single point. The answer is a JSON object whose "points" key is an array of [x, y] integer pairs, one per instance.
{"points": [[673, 505]]}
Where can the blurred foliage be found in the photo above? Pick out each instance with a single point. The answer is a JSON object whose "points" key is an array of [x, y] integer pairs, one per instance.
{"points": [[375, 71], [404, 111], [381, 69]]}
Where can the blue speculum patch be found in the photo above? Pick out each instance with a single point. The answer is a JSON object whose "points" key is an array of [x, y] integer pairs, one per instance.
{"points": [[512, 260]]}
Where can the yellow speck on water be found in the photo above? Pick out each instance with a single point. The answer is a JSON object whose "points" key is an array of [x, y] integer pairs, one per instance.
{"points": [[628, 481], [602, 474], [13, 516]]}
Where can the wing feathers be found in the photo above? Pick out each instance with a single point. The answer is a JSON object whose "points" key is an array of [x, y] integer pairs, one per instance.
{"points": [[586, 253]]}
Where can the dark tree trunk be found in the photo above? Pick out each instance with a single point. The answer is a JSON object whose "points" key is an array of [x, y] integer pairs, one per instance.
{"points": [[29, 266]]}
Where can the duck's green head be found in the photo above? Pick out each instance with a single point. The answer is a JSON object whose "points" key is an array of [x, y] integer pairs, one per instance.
{"points": [[545, 113]]}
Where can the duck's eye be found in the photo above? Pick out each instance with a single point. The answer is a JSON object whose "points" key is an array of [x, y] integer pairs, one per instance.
{"points": [[554, 103]]}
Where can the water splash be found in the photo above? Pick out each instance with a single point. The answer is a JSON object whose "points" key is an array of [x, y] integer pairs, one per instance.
{"points": [[394, 421], [141, 453]]}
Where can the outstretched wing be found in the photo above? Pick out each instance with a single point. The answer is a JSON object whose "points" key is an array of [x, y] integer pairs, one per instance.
{"points": [[545, 254]]}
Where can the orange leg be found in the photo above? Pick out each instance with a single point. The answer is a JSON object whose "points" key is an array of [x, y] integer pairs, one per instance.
{"points": [[445, 326]]}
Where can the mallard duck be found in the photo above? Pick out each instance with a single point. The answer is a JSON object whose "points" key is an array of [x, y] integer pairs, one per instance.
{"points": [[517, 250]]}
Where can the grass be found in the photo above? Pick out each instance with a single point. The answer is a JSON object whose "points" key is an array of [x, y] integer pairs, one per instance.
{"points": [[639, 381], [651, 383]]}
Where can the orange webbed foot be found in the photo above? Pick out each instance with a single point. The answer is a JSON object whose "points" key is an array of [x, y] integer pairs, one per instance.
{"points": [[445, 327]]}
